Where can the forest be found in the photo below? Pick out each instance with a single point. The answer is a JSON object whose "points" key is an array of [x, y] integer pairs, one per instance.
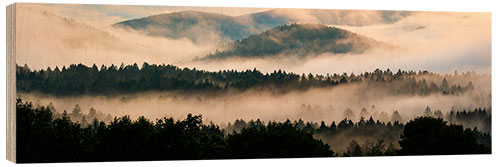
{"points": [[301, 40], [44, 137], [155, 83], [93, 135], [80, 79]]}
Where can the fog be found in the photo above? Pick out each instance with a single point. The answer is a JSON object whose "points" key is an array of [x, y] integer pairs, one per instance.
{"points": [[437, 41], [454, 46], [47, 40], [340, 17], [319, 104], [433, 41]]}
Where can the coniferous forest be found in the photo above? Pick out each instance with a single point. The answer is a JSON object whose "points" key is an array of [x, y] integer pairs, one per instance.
{"points": [[45, 138], [80, 79], [54, 136], [96, 83]]}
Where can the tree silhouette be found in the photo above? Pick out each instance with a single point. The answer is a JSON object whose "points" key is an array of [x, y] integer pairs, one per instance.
{"points": [[79, 79], [276, 140], [354, 149], [41, 137], [432, 136]]}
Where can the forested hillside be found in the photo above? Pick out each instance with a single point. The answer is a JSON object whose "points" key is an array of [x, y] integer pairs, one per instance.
{"points": [[80, 79], [300, 40], [193, 25], [196, 24]]}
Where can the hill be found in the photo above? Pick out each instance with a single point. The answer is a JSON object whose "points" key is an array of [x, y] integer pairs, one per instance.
{"points": [[274, 17], [300, 40], [205, 27], [193, 25]]}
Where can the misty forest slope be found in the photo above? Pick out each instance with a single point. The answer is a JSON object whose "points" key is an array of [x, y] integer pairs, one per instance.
{"points": [[190, 24], [275, 17], [300, 40], [46, 40], [80, 79], [193, 24]]}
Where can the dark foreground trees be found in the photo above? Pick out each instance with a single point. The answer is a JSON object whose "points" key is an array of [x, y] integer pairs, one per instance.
{"points": [[276, 140], [43, 138], [432, 136], [40, 138]]}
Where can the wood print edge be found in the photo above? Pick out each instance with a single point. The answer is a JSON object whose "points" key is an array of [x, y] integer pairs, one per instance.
{"points": [[11, 82]]}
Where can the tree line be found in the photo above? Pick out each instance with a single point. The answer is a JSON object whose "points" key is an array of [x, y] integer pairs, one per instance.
{"points": [[43, 138], [375, 131], [379, 137], [80, 79], [339, 135]]}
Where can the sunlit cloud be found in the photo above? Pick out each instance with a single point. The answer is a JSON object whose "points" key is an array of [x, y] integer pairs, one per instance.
{"points": [[105, 15]]}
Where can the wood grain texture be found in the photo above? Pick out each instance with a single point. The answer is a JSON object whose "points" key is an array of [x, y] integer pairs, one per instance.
{"points": [[11, 82]]}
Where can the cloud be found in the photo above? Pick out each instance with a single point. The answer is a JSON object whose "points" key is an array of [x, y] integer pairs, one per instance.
{"points": [[329, 102], [47, 40], [341, 17], [438, 41], [105, 15], [81, 13], [434, 41]]}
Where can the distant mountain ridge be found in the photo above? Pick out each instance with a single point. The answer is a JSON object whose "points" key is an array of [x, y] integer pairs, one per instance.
{"points": [[189, 24], [300, 40], [274, 17], [203, 26]]}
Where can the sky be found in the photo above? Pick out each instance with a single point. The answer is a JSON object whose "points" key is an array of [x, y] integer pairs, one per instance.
{"points": [[441, 42], [481, 5], [104, 15]]}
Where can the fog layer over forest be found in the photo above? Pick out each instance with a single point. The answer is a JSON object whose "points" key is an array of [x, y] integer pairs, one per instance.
{"points": [[315, 104], [89, 71], [434, 45]]}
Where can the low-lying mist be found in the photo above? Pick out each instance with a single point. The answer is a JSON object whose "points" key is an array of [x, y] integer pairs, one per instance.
{"points": [[316, 104], [451, 46], [48, 40], [426, 41]]}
